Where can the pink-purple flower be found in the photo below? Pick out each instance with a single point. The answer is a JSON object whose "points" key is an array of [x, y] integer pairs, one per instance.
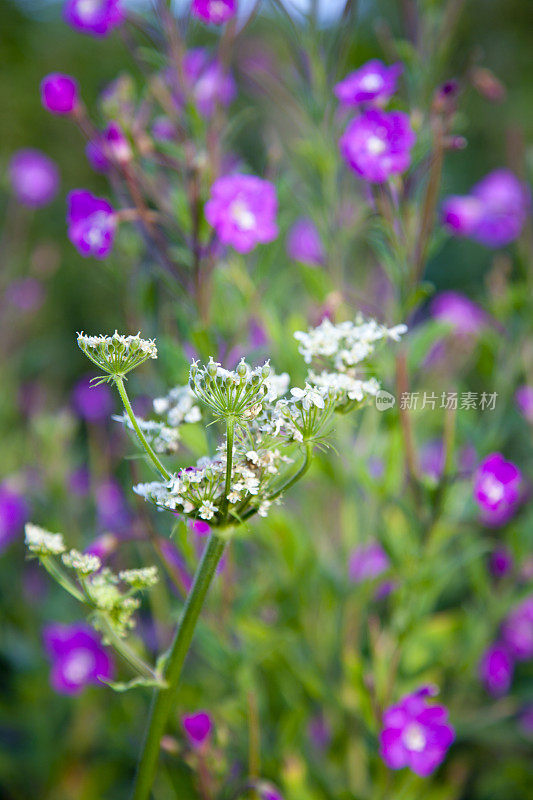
{"points": [[242, 209], [374, 82], [59, 93], [304, 243], [378, 144], [34, 177], [198, 727], [496, 669], [415, 734], [524, 401], [497, 489], [116, 145], [91, 223], [367, 561], [95, 17], [215, 12], [517, 630], [93, 403], [14, 511], [500, 562], [462, 314], [493, 213], [208, 83], [78, 657], [96, 155]]}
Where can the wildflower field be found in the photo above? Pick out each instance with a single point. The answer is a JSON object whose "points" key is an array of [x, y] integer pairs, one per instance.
{"points": [[266, 400]]}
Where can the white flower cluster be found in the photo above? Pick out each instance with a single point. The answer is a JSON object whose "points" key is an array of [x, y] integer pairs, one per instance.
{"points": [[199, 491], [106, 596], [42, 542], [140, 578], [117, 354], [163, 438], [347, 343], [178, 406], [340, 349], [230, 393], [82, 563]]}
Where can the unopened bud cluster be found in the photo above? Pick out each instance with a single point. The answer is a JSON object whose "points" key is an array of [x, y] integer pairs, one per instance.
{"points": [[117, 355], [238, 394]]}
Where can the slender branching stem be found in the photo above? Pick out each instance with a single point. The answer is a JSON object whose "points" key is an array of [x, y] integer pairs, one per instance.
{"points": [[119, 381], [125, 651], [230, 436], [164, 702]]}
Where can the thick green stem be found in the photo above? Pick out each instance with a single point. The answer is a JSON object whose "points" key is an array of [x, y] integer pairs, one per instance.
{"points": [[165, 699], [119, 381], [230, 435]]}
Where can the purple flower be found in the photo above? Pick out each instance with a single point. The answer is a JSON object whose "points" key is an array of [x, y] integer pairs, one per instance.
{"points": [[93, 403], [96, 156], [493, 213], [197, 727], [91, 223], [34, 177], [78, 658], [517, 630], [80, 481], [26, 294], [497, 489], [501, 562], [215, 12], [496, 669], [526, 720], [458, 311], [95, 17], [199, 527], [111, 506], [524, 401], [377, 144], [432, 459], [319, 732], [415, 734], [103, 546], [116, 145], [163, 129], [243, 209], [14, 512], [374, 81], [209, 84], [304, 243], [268, 792], [367, 562], [59, 93]]}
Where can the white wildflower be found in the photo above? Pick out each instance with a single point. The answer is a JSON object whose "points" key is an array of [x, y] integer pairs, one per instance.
{"points": [[42, 542], [84, 563]]}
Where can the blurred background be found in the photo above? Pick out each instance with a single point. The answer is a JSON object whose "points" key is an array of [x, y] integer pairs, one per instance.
{"points": [[68, 465]]}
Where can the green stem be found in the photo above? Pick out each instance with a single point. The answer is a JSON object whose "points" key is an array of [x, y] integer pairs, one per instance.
{"points": [[230, 435], [288, 483], [119, 381], [53, 568], [165, 699], [124, 650]]}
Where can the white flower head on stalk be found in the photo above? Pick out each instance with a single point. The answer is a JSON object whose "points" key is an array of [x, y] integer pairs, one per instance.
{"points": [[116, 355], [346, 344], [42, 542], [236, 394], [140, 578]]}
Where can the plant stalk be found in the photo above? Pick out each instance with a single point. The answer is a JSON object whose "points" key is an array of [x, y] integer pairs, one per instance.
{"points": [[165, 699], [119, 381]]}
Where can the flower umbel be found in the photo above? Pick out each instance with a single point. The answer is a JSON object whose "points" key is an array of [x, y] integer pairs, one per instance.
{"points": [[117, 355]]}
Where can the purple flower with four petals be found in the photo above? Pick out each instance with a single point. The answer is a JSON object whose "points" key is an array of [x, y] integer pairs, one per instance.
{"points": [[415, 734], [216, 12], [34, 177], [14, 512], [374, 82], [242, 209], [497, 489], [378, 144], [91, 223], [496, 669], [95, 17], [78, 658]]}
